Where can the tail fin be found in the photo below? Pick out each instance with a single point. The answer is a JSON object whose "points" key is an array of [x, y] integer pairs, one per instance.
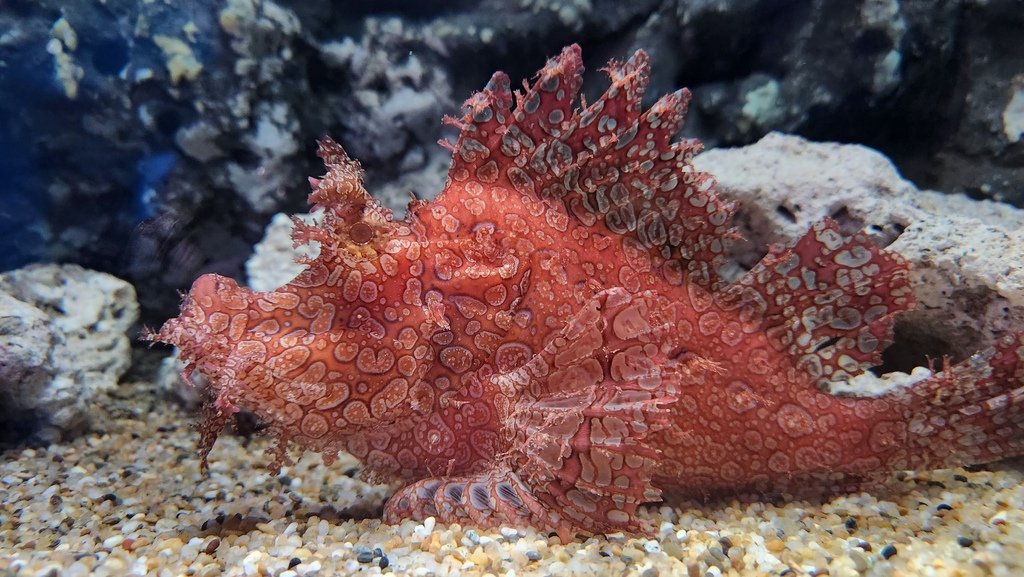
{"points": [[971, 412]]}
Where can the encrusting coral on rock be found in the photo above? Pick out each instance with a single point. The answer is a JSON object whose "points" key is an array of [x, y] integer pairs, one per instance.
{"points": [[548, 342]]}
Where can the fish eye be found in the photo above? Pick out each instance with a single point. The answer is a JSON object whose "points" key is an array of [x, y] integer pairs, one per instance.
{"points": [[361, 233]]}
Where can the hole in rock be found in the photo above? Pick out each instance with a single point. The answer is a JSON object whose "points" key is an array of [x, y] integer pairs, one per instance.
{"points": [[848, 225], [110, 56], [917, 338], [786, 213]]}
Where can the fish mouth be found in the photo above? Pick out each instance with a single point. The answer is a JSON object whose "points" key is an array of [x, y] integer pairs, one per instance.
{"points": [[200, 345]]}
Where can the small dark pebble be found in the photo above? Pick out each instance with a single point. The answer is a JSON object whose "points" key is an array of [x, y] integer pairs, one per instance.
{"points": [[786, 571], [329, 514], [284, 480], [964, 541], [939, 484], [165, 428], [726, 544], [959, 477], [351, 472], [295, 561], [365, 557], [851, 524], [943, 507], [383, 564], [888, 551], [211, 546], [377, 552], [865, 546], [533, 555], [109, 497]]}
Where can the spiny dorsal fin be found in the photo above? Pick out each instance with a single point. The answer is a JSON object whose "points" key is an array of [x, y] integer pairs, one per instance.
{"points": [[610, 167]]}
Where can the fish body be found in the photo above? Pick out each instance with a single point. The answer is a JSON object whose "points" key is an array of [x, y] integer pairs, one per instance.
{"points": [[548, 343]]}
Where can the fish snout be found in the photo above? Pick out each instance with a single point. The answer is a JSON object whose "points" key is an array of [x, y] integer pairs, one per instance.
{"points": [[200, 330]]}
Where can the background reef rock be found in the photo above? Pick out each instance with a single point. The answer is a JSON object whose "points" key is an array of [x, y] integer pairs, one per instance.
{"points": [[272, 264], [62, 340], [155, 139]]}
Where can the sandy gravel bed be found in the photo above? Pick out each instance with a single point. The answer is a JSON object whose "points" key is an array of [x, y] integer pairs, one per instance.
{"points": [[128, 499]]}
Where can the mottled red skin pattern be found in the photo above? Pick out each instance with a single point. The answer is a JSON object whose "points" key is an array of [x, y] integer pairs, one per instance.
{"points": [[547, 342]]}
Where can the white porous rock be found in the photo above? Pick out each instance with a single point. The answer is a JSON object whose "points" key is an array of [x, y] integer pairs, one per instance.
{"points": [[868, 384], [784, 184], [272, 264], [62, 339], [169, 381], [966, 256]]}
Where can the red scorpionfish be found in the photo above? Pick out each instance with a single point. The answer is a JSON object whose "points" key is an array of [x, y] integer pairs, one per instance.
{"points": [[548, 343]]}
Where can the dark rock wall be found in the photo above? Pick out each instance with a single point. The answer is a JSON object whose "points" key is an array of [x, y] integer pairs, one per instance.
{"points": [[153, 140]]}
